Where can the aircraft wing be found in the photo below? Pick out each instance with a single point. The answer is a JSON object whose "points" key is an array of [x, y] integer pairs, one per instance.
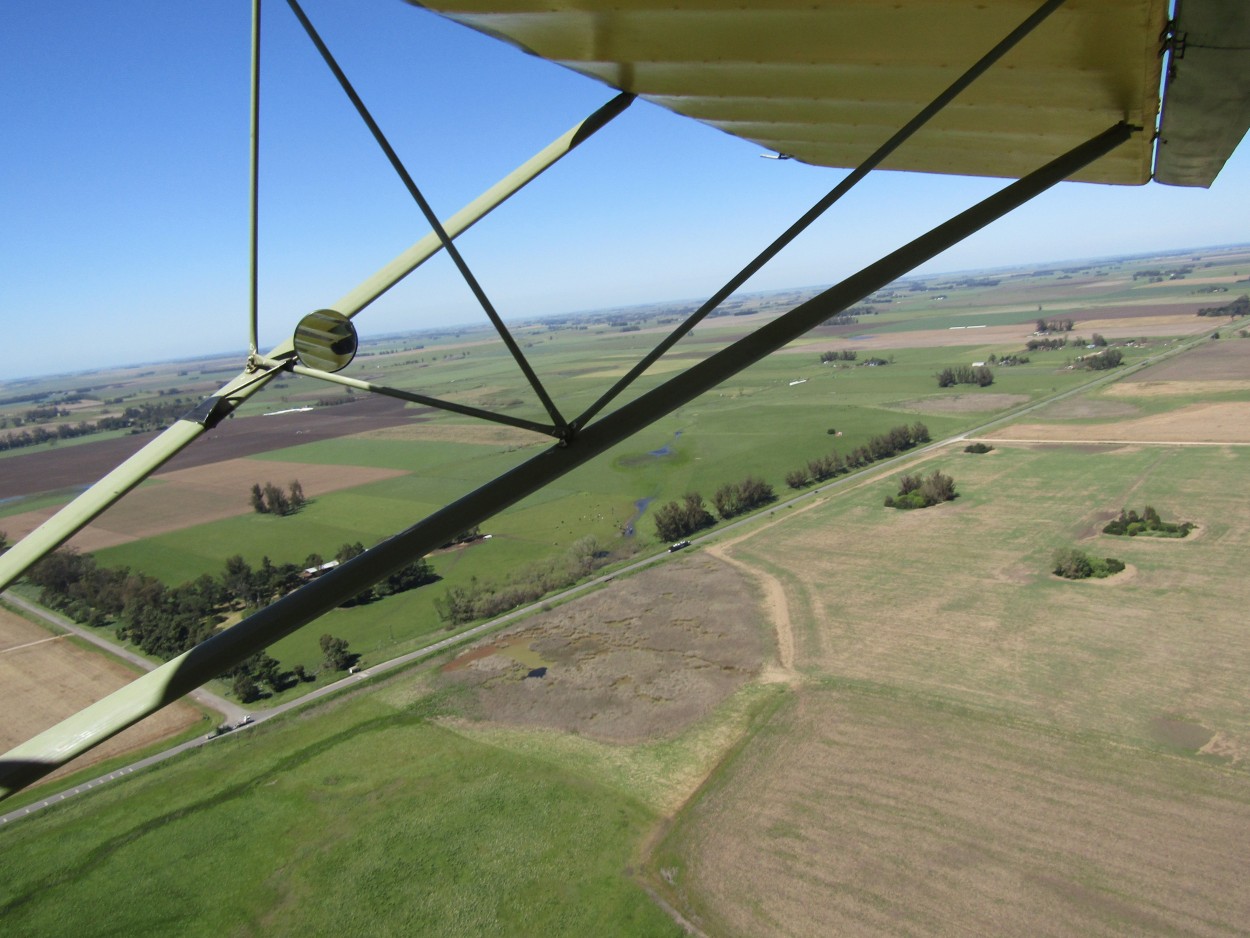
{"points": [[826, 81]]}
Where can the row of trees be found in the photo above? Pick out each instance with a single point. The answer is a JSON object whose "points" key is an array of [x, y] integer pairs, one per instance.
{"points": [[1054, 325], [271, 500], [915, 492], [896, 440], [136, 419], [165, 621], [980, 375], [843, 355], [1046, 345], [737, 498], [1101, 361], [1238, 307]]}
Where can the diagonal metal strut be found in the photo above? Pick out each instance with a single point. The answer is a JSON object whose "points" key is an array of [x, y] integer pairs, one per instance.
{"points": [[452, 251], [52, 748], [902, 134], [96, 500]]}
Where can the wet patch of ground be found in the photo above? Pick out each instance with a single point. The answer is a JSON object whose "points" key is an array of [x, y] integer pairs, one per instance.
{"points": [[642, 659]]}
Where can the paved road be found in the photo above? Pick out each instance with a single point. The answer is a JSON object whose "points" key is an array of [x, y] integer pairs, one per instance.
{"points": [[236, 713]]}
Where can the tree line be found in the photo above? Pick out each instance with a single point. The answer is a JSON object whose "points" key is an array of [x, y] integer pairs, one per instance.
{"points": [[1238, 307], [136, 419], [896, 440], [1101, 361], [165, 621]]}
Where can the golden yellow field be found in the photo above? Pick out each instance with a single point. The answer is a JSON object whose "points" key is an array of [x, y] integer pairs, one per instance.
{"points": [[46, 678]]}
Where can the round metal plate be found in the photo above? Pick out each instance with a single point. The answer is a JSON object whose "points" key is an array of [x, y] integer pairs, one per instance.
{"points": [[326, 340]]}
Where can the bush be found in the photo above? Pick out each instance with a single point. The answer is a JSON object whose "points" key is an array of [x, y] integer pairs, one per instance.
{"points": [[978, 448], [1149, 524], [1074, 564], [914, 492]]}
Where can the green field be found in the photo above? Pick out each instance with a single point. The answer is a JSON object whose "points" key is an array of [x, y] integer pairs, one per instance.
{"points": [[364, 819], [966, 744]]}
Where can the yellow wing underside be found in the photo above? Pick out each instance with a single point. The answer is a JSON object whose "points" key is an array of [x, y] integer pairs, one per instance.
{"points": [[827, 82]]}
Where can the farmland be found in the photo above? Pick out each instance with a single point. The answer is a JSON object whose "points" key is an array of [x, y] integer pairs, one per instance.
{"points": [[978, 746], [841, 718], [47, 678]]}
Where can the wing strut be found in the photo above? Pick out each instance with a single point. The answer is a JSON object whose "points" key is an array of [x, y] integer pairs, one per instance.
{"points": [[452, 251], [94, 501], [842, 188], [52, 748]]}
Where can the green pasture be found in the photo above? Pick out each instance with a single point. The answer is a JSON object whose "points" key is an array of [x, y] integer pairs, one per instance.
{"points": [[369, 819], [757, 423]]}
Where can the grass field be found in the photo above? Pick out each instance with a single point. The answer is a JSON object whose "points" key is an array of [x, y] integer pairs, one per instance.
{"points": [[965, 744], [365, 819], [978, 746]]}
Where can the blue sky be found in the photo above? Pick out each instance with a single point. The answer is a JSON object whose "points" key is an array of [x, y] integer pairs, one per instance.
{"points": [[124, 168]]}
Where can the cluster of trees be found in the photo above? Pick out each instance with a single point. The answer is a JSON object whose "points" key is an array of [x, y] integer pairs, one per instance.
{"points": [[1045, 345], [482, 600], [271, 500], [1101, 361], [165, 621], [1054, 325], [915, 492], [336, 655], [1238, 307], [851, 316], [1154, 275], [136, 419], [843, 355], [1008, 360], [978, 448], [896, 440], [1148, 523], [980, 375], [1074, 564], [409, 577], [33, 436], [677, 520], [464, 537], [162, 621], [736, 498]]}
